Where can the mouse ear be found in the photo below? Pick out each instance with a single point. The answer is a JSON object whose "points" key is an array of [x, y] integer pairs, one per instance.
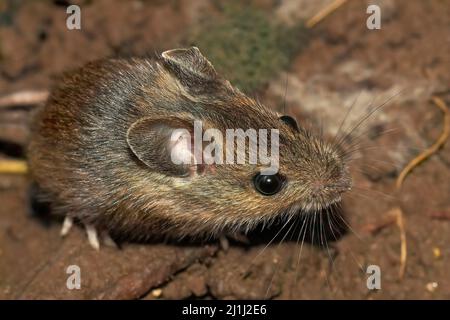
{"points": [[291, 122], [189, 62], [165, 145]]}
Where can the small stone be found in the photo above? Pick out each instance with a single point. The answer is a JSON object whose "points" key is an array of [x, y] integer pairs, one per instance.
{"points": [[156, 293], [432, 286], [437, 252]]}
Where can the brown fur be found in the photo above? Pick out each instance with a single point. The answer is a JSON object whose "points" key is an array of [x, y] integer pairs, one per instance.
{"points": [[80, 153]]}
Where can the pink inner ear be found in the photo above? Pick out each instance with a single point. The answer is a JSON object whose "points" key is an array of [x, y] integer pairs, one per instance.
{"points": [[181, 148]]}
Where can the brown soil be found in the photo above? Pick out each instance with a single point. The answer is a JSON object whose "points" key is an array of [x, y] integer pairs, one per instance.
{"points": [[343, 61]]}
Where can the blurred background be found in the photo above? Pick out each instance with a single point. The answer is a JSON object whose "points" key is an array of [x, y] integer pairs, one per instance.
{"points": [[314, 73]]}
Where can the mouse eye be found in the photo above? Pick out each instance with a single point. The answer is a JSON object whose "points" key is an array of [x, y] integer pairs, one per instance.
{"points": [[268, 184], [290, 122]]}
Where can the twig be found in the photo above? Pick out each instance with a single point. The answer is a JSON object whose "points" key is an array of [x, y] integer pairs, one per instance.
{"points": [[325, 11], [23, 98], [400, 221], [440, 215], [374, 228], [13, 166], [394, 215], [435, 147], [411, 165], [20, 98]]}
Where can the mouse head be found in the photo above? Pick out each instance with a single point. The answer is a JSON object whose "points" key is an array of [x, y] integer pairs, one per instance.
{"points": [[193, 149]]}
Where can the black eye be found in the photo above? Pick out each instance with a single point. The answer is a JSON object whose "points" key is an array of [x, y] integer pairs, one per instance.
{"points": [[290, 122], [268, 184]]}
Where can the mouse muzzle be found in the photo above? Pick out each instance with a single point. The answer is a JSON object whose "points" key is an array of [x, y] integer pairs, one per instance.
{"points": [[325, 192]]}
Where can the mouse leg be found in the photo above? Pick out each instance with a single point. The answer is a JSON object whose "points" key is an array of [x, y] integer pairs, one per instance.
{"points": [[67, 225], [92, 237], [92, 234], [108, 241], [239, 237], [224, 243]]}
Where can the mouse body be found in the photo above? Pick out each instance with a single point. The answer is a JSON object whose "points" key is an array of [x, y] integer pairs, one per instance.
{"points": [[101, 151]]}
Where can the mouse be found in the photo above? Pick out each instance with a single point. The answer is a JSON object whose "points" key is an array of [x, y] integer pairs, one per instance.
{"points": [[102, 148]]}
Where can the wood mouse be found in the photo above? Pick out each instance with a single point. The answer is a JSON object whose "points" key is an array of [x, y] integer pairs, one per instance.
{"points": [[100, 151]]}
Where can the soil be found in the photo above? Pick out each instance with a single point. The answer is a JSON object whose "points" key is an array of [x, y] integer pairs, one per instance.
{"points": [[405, 62]]}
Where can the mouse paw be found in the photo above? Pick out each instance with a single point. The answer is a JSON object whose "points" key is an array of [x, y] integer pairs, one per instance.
{"points": [[224, 243], [67, 225], [93, 238], [108, 241], [92, 234], [239, 237]]}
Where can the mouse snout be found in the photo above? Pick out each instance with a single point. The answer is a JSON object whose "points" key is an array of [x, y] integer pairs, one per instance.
{"points": [[320, 187], [317, 188]]}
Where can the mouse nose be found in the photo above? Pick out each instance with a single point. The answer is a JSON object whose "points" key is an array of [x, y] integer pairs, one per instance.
{"points": [[317, 188], [321, 187]]}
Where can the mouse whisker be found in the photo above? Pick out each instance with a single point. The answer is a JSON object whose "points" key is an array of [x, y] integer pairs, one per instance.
{"points": [[391, 197], [323, 239], [278, 266], [348, 225], [356, 141], [338, 132], [285, 94], [349, 131], [371, 147], [336, 211], [365, 117], [302, 231], [268, 244]]}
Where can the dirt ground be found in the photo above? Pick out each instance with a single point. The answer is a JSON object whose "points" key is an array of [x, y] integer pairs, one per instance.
{"points": [[406, 61]]}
